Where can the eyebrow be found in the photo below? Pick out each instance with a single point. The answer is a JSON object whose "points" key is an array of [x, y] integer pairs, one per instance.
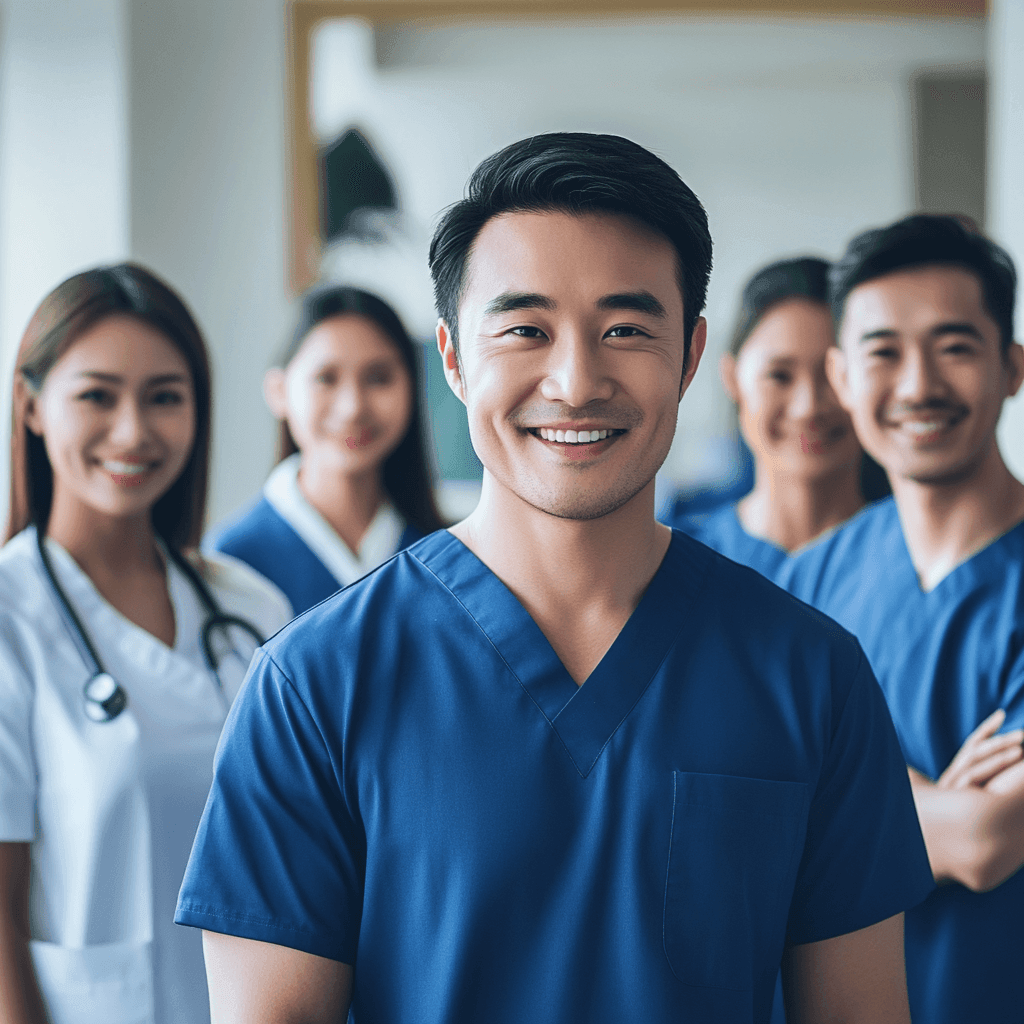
{"points": [[642, 302], [509, 302], [949, 327], [114, 378]]}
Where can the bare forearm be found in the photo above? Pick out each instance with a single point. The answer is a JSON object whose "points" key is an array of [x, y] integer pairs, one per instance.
{"points": [[974, 835], [20, 1002]]}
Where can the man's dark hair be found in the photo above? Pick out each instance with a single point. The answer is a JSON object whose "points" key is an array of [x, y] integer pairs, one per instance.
{"points": [[805, 277], [928, 240], [577, 173]]}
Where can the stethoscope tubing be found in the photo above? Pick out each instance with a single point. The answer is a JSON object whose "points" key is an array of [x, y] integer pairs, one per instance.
{"points": [[216, 618]]}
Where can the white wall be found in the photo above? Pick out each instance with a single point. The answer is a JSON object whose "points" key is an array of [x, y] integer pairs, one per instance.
{"points": [[208, 158], [63, 158], [794, 133], [1006, 175]]}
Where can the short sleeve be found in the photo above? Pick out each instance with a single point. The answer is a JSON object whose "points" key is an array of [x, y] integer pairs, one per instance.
{"points": [[1012, 698], [17, 761], [864, 859], [277, 857]]}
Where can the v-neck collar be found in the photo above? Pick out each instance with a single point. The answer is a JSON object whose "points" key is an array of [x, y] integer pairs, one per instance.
{"points": [[584, 717], [965, 569]]}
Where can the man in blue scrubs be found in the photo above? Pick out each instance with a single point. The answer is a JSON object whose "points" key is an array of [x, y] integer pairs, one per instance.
{"points": [[932, 584], [560, 763]]}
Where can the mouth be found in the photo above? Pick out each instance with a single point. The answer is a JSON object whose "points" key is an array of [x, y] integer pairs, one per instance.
{"points": [[365, 437], [577, 444], [129, 474], [928, 431], [823, 442]]}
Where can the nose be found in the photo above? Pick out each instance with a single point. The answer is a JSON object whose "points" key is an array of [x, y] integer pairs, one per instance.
{"points": [[575, 372], [917, 381], [129, 427], [812, 396], [349, 402]]}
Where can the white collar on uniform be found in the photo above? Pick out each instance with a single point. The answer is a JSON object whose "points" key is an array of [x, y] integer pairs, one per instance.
{"points": [[379, 542]]}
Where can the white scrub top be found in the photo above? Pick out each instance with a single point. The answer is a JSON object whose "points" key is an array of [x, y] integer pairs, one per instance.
{"points": [[379, 543], [111, 808]]}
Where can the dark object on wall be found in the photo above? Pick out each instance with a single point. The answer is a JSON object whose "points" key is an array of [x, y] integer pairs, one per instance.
{"points": [[354, 182], [949, 143]]}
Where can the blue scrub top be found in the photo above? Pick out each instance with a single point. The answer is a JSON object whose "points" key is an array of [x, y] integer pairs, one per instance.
{"points": [[265, 540], [412, 783], [721, 529], [946, 659]]}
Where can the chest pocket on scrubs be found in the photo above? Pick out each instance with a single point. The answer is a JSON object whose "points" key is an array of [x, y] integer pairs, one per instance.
{"points": [[105, 984], [733, 857]]}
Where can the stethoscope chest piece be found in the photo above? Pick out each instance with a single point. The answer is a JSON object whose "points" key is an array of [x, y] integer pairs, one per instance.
{"points": [[104, 698]]}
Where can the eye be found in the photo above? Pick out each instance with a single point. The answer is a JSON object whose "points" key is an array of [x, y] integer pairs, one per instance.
{"points": [[325, 378], [379, 377], [959, 348], [167, 396], [101, 397], [887, 352], [526, 331], [626, 331], [779, 376]]}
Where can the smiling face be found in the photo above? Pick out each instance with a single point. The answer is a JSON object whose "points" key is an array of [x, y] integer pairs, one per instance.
{"points": [[789, 414], [346, 395], [922, 373], [570, 358], [117, 416]]}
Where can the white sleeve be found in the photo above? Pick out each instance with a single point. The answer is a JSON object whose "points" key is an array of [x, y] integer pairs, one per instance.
{"points": [[17, 760]]}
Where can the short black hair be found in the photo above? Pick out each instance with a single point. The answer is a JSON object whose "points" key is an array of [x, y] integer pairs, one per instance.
{"points": [[579, 173], [928, 240], [804, 277]]}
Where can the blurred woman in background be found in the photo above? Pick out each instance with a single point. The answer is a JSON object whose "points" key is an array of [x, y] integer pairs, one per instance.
{"points": [[352, 486], [810, 473], [120, 653]]}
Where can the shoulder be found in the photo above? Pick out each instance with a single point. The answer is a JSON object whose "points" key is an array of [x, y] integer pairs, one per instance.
{"points": [[22, 588], [243, 591], [370, 624], [815, 569], [764, 625], [250, 526]]}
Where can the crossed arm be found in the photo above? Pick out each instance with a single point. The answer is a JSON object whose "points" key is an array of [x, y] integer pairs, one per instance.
{"points": [[972, 816], [852, 979]]}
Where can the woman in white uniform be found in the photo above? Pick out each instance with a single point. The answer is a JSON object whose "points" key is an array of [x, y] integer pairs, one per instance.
{"points": [[352, 485], [120, 653]]}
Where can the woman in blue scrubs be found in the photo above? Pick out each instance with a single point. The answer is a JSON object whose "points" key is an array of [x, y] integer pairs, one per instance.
{"points": [[352, 485], [810, 472]]}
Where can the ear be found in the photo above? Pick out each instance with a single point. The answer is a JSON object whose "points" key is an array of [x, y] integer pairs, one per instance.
{"points": [[698, 342], [1015, 365], [450, 361], [837, 371], [727, 371], [274, 392], [27, 399]]}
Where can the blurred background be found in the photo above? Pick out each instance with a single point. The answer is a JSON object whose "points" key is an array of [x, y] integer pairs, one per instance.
{"points": [[244, 149]]}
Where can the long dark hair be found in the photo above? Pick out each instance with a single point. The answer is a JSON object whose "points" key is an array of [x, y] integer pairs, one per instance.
{"points": [[69, 311], [406, 473]]}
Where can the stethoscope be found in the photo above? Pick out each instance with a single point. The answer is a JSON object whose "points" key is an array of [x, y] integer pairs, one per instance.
{"points": [[105, 698]]}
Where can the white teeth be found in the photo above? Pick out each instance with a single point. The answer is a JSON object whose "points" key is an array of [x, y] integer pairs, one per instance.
{"points": [[919, 427], [126, 468], [572, 436]]}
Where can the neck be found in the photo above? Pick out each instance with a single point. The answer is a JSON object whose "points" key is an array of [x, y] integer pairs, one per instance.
{"points": [[348, 501], [791, 511], [945, 523], [551, 563], [104, 545]]}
